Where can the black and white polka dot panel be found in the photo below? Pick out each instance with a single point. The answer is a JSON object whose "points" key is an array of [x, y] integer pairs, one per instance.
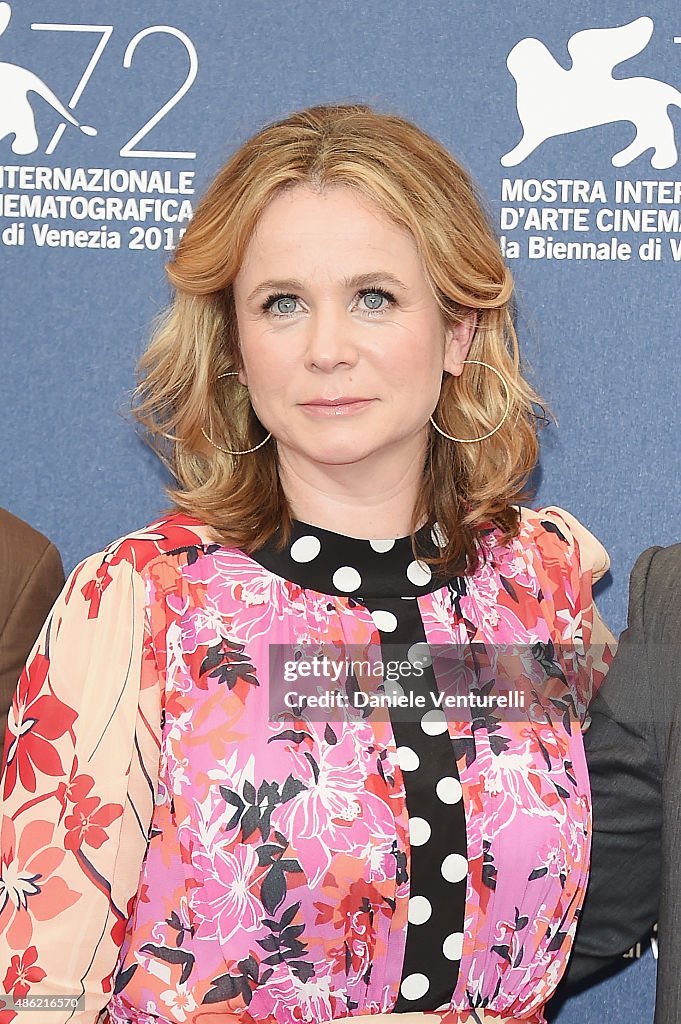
{"points": [[386, 579]]}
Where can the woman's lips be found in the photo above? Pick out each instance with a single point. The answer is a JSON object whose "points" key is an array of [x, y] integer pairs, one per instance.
{"points": [[338, 407]]}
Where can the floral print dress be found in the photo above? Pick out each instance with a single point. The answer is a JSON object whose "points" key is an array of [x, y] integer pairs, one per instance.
{"points": [[182, 844]]}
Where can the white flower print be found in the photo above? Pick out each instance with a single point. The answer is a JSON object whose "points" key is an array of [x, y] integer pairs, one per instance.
{"points": [[179, 1001]]}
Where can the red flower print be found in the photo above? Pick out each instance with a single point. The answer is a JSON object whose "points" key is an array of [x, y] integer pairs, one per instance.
{"points": [[140, 547], [94, 589], [30, 879], [355, 915], [22, 971], [77, 788], [88, 821], [120, 925], [35, 720], [6, 1016]]}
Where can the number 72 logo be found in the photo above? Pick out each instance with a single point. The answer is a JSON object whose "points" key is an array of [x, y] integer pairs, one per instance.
{"points": [[104, 32]]}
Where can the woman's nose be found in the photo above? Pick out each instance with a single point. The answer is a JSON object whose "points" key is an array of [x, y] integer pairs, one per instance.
{"points": [[330, 341]]}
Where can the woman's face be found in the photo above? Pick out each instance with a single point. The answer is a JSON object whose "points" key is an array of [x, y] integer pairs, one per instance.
{"points": [[343, 343]]}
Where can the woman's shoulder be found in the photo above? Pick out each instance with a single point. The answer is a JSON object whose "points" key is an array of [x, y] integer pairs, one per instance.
{"points": [[557, 532], [174, 537], [171, 536], [109, 578]]}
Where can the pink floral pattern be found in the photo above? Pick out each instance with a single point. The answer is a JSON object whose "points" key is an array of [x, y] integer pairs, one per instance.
{"points": [[173, 855]]}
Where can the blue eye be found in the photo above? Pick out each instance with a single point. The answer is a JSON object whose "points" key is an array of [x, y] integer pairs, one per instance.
{"points": [[283, 305], [373, 300]]}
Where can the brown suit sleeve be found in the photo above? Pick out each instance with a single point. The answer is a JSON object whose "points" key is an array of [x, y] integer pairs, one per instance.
{"points": [[33, 590]]}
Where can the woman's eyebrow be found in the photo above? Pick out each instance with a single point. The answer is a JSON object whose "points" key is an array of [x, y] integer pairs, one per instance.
{"points": [[288, 285], [374, 277], [356, 281]]}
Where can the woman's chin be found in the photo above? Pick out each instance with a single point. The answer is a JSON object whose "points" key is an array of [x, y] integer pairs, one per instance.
{"points": [[343, 455], [334, 453]]}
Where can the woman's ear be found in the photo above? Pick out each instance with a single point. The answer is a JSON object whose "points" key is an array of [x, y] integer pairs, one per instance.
{"points": [[458, 338], [241, 377]]}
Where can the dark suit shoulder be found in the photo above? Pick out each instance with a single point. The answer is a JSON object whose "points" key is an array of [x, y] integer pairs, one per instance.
{"points": [[663, 560], [655, 594]]}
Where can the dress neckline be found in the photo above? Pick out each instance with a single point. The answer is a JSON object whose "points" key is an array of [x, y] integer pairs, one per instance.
{"points": [[333, 563]]}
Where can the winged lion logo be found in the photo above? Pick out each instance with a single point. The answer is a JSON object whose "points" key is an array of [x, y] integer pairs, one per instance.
{"points": [[552, 101], [16, 112]]}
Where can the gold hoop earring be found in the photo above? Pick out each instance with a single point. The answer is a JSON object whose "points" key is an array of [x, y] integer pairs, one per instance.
{"points": [[228, 451], [473, 440]]}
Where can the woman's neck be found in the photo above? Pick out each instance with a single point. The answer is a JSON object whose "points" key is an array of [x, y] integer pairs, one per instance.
{"points": [[344, 501]]}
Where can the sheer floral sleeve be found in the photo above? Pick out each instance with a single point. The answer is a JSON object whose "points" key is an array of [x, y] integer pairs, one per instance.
{"points": [[588, 642], [82, 750]]}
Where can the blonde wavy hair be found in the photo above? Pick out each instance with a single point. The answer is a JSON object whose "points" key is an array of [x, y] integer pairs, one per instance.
{"points": [[467, 488]]}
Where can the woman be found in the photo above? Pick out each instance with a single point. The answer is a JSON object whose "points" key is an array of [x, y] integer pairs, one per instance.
{"points": [[337, 391]]}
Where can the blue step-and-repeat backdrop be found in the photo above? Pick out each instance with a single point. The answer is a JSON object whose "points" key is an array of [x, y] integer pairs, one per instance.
{"points": [[114, 116]]}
